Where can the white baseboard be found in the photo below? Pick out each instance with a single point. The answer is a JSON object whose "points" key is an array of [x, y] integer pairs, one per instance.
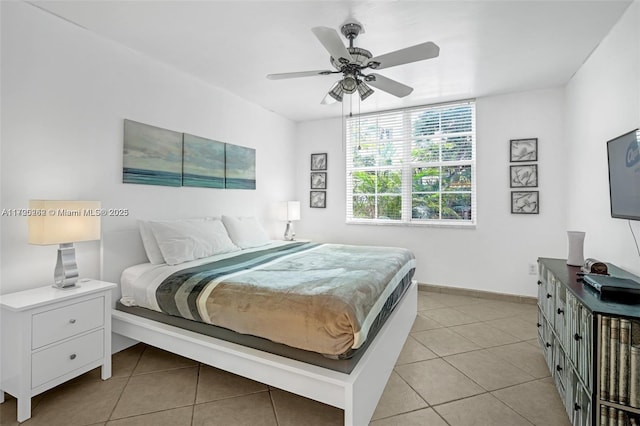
{"points": [[458, 291]]}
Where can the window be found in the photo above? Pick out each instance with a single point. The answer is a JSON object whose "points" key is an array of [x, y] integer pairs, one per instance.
{"points": [[415, 165]]}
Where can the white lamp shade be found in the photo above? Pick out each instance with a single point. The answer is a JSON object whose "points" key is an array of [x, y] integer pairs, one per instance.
{"points": [[62, 221], [293, 210]]}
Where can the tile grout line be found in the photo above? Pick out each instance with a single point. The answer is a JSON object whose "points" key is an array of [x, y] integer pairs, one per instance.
{"points": [[273, 406], [435, 407], [126, 384], [195, 397], [478, 350], [429, 407], [231, 397], [414, 390]]}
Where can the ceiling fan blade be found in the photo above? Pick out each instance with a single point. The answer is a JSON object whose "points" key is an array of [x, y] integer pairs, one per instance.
{"points": [[284, 75], [330, 39], [390, 86], [407, 55]]}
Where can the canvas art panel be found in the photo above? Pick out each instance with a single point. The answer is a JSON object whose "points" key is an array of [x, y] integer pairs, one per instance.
{"points": [[151, 155], [240, 167], [203, 162]]}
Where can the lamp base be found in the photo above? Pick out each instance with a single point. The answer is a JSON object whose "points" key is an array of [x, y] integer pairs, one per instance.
{"points": [[66, 272], [289, 235]]}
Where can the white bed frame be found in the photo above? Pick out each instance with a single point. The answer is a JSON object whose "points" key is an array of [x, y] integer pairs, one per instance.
{"points": [[356, 393]]}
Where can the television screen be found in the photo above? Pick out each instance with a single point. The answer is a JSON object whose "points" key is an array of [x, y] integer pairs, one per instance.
{"points": [[624, 175]]}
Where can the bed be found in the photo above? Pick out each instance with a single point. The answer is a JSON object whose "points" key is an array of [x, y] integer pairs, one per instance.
{"points": [[350, 375]]}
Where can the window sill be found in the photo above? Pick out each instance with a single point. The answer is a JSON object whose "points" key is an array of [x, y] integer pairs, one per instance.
{"points": [[425, 224]]}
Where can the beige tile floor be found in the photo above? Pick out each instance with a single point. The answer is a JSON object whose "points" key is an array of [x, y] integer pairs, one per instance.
{"points": [[468, 361]]}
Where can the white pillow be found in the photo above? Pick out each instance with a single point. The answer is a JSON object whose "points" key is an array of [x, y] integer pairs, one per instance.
{"points": [[149, 240], [245, 232], [186, 240], [150, 244]]}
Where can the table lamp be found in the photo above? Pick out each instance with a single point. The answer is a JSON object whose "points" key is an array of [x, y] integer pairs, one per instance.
{"points": [[293, 213], [64, 222]]}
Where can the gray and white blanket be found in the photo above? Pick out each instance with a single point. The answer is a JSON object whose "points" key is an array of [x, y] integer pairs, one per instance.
{"points": [[317, 297]]}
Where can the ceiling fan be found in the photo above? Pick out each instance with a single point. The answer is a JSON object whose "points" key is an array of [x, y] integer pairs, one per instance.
{"points": [[352, 62]]}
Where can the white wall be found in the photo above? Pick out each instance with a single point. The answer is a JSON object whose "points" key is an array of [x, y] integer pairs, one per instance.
{"points": [[494, 256], [65, 93], [602, 102]]}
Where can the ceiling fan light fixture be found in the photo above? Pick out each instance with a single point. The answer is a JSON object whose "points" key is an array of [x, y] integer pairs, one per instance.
{"points": [[337, 92], [349, 84], [364, 90]]}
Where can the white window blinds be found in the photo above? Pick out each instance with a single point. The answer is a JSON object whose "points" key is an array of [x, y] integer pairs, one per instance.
{"points": [[415, 165]]}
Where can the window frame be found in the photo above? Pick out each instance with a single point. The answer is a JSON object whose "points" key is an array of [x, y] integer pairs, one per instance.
{"points": [[407, 166]]}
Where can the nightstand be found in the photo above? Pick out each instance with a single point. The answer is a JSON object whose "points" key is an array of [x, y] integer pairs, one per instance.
{"points": [[50, 335]]}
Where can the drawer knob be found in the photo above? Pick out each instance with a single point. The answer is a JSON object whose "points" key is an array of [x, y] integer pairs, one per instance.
{"points": [[576, 407], [72, 356], [558, 368], [72, 321], [577, 336], [539, 282], [549, 296], [548, 345], [560, 311], [538, 325]]}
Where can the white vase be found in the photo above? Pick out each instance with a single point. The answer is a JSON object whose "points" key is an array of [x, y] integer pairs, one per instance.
{"points": [[576, 248]]}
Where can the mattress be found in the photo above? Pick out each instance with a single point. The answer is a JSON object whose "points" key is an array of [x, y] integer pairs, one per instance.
{"points": [[323, 298]]}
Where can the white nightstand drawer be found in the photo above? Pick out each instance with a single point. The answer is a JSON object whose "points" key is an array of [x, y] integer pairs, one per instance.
{"points": [[61, 359], [57, 324]]}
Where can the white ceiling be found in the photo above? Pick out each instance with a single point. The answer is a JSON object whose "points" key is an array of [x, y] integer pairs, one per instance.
{"points": [[486, 47]]}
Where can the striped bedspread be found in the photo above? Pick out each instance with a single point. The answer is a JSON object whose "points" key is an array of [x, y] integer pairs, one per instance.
{"points": [[317, 297]]}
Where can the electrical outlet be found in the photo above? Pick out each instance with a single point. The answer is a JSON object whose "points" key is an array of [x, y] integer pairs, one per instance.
{"points": [[532, 269]]}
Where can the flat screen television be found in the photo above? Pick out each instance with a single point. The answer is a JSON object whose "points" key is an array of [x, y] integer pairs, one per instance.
{"points": [[624, 175]]}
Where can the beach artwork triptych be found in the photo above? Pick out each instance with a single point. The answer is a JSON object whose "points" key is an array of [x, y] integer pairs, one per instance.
{"points": [[156, 156]]}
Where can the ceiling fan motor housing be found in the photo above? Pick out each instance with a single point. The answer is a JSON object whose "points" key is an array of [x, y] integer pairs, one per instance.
{"points": [[351, 31], [360, 57]]}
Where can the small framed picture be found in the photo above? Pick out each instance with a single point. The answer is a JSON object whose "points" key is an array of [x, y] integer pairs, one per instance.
{"points": [[318, 180], [318, 199], [523, 150], [525, 176], [319, 161], [525, 202]]}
